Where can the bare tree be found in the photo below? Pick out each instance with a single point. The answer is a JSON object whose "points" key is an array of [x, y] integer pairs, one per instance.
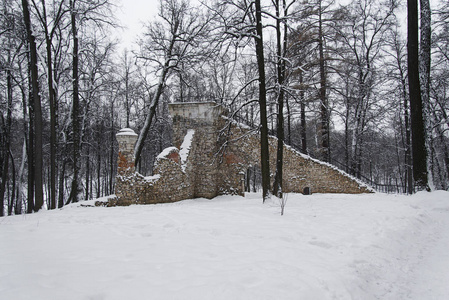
{"points": [[281, 65], [49, 33], [363, 38], [177, 38], [37, 112]]}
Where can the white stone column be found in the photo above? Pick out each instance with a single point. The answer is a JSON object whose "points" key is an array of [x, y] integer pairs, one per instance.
{"points": [[126, 139]]}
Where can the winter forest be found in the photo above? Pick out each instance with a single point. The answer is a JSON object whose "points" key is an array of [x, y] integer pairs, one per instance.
{"points": [[361, 84]]}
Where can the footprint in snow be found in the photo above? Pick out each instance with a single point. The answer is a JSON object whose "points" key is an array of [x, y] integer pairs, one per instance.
{"points": [[320, 244]]}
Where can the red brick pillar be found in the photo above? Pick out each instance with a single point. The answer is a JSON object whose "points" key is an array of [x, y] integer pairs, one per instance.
{"points": [[126, 139]]}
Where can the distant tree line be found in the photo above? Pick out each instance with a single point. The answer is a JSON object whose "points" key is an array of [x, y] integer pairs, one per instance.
{"points": [[348, 84]]}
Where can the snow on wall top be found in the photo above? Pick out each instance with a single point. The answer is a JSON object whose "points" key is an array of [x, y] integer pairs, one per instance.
{"points": [[359, 182], [126, 131], [183, 151], [307, 157], [166, 152]]}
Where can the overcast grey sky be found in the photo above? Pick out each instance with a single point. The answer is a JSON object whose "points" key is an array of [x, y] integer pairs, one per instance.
{"points": [[132, 14]]}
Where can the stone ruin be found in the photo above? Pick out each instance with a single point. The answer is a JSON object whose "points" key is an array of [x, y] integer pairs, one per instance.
{"points": [[210, 157]]}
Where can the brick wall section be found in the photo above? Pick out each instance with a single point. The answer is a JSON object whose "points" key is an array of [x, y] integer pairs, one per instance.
{"points": [[220, 154], [169, 184], [205, 119]]}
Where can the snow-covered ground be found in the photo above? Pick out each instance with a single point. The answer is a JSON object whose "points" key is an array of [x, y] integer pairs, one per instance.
{"points": [[325, 247]]}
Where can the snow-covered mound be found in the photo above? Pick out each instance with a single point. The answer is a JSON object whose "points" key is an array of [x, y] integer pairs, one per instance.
{"points": [[370, 246]]}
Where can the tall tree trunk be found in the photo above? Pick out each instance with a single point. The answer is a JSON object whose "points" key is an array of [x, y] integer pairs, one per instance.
{"points": [[324, 110], [6, 141], [303, 117], [264, 151], [52, 100], [424, 76], [408, 150], [30, 147], [149, 119], [281, 47], [111, 157], [99, 138], [73, 197], [419, 152], [154, 102], [37, 111]]}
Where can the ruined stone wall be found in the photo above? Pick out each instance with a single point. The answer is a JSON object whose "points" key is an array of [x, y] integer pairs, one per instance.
{"points": [[172, 181], [205, 119], [211, 157], [299, 170]]}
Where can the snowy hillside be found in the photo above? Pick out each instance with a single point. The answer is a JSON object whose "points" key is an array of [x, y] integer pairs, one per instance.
{"points": [[325, 247]]}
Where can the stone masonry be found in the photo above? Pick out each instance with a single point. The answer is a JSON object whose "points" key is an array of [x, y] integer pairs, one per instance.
{"points": [[211, 155]]}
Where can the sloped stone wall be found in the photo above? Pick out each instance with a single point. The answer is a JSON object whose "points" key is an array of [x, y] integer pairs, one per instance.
{"points": [[217, 153], [299, 170]]}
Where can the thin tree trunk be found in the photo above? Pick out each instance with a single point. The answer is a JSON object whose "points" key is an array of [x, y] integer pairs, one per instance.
{"points": [[7, 142], [98, 173], [324, 111], [303, 117], [61, 185], [18, 206], [13, 189], [111, 158], [73, 197], [408, 152], [264, 151], [281, 46], [154, 102], [86, 197], [52, 100], [37, 149], [30, 153], [289, 122]]}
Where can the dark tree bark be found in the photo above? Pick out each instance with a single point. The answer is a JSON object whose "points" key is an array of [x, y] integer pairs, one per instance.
{"points": [[30, 147], [5, 139], [424, 77], [289, 122], [419, 152], [408, 150], [61, 185], [281, 52], [12, 199], [37, 110], [76, 134], [264, 152], [324, 110], [408, 143], [112, 161], [303, 117], [88, 179], [51, 96]]}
